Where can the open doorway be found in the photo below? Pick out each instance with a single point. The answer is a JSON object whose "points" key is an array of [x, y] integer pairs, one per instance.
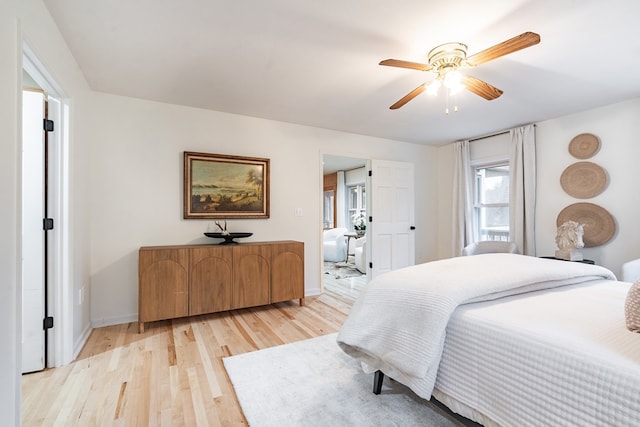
{"points": [[344, 263], [57, 298]]}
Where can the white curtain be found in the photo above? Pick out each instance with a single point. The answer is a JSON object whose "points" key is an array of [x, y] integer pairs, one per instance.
{"points": [[341, 202], [522, 201], [463, 224]]}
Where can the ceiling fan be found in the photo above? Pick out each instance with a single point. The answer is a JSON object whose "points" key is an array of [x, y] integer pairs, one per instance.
{"points": [[445, 61]]}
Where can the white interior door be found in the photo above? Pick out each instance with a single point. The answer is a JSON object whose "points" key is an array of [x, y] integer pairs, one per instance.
{"points": [[33, 246], [392, 208]]}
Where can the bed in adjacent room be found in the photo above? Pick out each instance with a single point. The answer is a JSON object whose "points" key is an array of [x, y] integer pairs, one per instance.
{"points": [[504, 339]]}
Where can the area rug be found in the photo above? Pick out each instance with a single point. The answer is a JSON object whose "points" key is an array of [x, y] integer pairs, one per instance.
{"points": [[314, 383], [340, 270]]}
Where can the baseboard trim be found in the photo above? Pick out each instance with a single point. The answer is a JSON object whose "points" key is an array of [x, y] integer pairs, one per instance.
{"points": [[312, 292], [109, 321], [81, 341]]}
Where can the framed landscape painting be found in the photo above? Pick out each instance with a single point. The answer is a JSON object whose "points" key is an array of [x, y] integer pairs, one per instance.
{"points": [[222, 186]]}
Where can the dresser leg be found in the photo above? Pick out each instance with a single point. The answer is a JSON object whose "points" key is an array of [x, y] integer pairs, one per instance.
{"points": [[302, 302], [141, 327]]}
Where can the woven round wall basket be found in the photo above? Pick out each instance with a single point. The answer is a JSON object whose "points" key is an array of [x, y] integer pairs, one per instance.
{"points": [[584, 180], [584, 146], [599, 225]]}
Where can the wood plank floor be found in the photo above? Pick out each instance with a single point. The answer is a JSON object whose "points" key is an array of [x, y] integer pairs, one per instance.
{"points": [[173, 375]]}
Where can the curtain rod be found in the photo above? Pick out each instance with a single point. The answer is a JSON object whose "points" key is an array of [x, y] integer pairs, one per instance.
{"points": [[491, 135], [488, 136]]}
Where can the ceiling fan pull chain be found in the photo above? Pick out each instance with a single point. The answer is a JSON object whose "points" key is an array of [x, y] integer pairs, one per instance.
{"points": [[446, 92]]}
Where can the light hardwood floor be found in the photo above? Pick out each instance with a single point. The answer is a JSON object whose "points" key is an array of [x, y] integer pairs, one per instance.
{"points": [[172, 374]]}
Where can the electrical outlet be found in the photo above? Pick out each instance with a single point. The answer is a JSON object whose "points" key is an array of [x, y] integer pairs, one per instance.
{"points": [[299, 212], [81, 295]]}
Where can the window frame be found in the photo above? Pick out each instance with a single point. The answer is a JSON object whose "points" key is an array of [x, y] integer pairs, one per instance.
{"points": [[361, 205], [478, 205]]}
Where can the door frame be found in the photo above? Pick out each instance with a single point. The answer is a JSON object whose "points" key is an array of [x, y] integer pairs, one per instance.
{"points": [[60, 297], [367, 165]]}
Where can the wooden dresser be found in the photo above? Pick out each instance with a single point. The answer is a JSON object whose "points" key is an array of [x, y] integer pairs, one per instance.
{"points": [[179, 281]]}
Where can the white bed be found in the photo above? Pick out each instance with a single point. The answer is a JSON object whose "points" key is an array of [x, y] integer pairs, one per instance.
{"points": [[556, 356]]}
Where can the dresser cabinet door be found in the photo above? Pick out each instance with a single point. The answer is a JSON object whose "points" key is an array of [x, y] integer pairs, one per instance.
{"points": [[210, 270], [163, 284], [251, 275], [287, 271]]}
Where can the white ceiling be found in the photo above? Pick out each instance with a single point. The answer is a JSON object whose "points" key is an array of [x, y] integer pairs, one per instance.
{"points": [[316, 62], [331, 164]]}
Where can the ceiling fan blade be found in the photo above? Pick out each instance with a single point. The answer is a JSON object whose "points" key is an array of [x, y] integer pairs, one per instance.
{"points": [[481, 88], [514, 44], [406, 64], [408, 97]]}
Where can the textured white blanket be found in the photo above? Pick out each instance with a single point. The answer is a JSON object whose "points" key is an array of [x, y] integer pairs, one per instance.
{"points": [[557, 357], [398, 323]]}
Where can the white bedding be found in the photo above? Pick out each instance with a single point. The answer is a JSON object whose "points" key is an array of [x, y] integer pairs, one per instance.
{"points": [[398, 323], [555, 357]]}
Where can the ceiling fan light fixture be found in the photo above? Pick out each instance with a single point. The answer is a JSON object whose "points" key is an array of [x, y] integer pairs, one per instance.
{"points": [[448, 55], [453, 79], [445, 60], [433, 87]]}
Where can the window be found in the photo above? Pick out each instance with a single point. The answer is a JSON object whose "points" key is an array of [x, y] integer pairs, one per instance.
{"points": [[491, 204], [357, 202], [328, 212]]}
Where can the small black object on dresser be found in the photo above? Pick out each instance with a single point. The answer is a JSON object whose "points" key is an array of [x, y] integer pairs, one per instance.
{"points": [[585, 261]]}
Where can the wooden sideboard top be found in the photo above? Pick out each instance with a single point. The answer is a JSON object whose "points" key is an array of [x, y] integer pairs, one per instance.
{"points": [[200, 245]]}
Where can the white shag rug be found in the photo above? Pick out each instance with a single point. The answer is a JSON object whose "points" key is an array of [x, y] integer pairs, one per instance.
{"points": [[314, 383]]}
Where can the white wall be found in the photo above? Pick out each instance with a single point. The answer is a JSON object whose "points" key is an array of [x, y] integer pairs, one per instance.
{"points": [[618, 128], [136, 187]]}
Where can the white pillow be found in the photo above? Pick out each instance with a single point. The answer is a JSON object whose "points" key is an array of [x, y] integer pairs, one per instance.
{"points": [[632, 308]]}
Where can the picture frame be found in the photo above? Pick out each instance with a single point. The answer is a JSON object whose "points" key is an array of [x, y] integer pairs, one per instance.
{"points": [[219, 186]]}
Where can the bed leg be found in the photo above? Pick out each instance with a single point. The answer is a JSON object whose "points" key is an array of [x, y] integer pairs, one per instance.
{"points": [[378, 377]]}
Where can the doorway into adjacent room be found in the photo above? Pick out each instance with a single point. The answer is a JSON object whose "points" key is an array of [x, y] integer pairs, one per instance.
{"points": [[355, 192], [344, 224]]}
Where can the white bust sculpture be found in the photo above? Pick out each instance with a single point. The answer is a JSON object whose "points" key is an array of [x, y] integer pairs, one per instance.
{"points": [[568, 239]]}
